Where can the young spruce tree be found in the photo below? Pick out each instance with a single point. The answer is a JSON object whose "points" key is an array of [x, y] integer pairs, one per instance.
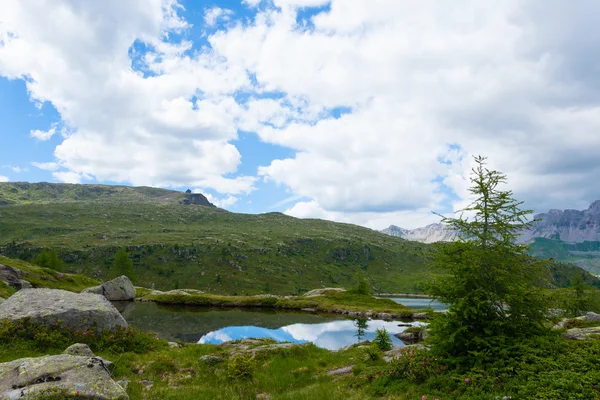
{"points": [[492, 288], [123, 264]]}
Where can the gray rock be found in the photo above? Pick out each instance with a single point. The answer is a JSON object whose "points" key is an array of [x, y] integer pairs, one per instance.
{"points": [[211, 359], [581, 333], [174, 345], [592, 316], [79, 349], [341, 371], [412, 336], [61, 375], [12, 277], [82, 311], [323, 292], [2, 300], [118, 289]]}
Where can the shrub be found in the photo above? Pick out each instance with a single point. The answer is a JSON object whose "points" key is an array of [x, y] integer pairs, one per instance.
{"points": [[242, 366], [414, 364], [383, 341]]}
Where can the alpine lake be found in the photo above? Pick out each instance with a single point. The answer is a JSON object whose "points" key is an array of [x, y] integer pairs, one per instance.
{"points": [[207, 325]]}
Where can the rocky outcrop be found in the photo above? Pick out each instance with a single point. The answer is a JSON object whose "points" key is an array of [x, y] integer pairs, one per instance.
{"points": [[118, 289], [13, 277], [82, 311], [62, 376]]}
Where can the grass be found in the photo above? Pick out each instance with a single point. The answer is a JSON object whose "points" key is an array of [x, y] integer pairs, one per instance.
{"points": [[45, 278], [343, 301], [544, 368]]}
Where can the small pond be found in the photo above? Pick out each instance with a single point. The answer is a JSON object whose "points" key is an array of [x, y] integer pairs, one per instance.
{"points": [[417, 303], [217, 325]]}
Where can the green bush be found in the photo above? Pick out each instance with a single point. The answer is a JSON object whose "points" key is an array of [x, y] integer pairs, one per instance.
{"points": [[383, 341], [243, 366], [416, 365]]}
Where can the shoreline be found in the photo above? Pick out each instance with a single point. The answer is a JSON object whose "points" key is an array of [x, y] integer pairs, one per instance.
{"points": [[410, 295]]}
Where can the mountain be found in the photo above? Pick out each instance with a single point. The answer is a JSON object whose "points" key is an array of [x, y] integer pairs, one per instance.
{"points": [[429, 234], [571, 236], [570, 226]]}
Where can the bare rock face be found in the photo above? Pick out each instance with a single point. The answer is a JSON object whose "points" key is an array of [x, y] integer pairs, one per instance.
{"points": [[118, 289], [82, 311], [62, 376], [323, 292]]}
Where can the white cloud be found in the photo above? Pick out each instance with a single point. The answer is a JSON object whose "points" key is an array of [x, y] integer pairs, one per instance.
{"points": [[214, 14], [221, 202], [118, 124], [67, 177], [423, 86], [46, 166], [43, 135], [3, 178], [375, 220], [18, 169], [420, 79]]}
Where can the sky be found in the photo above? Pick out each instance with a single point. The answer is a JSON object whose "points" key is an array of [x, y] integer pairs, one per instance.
{"points": [[359, 111]]}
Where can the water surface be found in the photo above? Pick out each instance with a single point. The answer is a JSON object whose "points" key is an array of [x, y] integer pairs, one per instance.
{"points": [[217, 325], [417, 303]]}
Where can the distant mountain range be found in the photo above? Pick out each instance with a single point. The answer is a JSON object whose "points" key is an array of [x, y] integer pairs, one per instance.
{"points": [[567, 235], [569, 226], [428, 234]]}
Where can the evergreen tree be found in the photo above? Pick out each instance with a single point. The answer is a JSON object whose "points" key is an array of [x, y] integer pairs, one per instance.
{"points": [[492, 288], [123, 264], [48, 258]]}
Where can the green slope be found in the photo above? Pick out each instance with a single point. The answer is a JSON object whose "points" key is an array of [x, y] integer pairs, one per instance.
{"points": [[176, 243], [585, 254], [45, 278]]}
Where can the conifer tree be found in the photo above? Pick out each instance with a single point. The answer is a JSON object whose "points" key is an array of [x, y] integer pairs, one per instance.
{"points": [[492, 288]]}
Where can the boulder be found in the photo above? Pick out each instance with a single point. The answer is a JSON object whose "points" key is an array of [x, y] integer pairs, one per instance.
{"points": [[62, 376], [82, 311], [118, 289], [412, 335], [592, 316], [582, 333], [79, 349]]}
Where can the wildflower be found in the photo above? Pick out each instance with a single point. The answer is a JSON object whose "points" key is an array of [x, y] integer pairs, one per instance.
{"points": [[467, 380], [410, 371], [441, 367], [423, 397]]}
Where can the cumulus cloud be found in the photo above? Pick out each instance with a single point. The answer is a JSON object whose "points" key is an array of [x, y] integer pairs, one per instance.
{"points": [[383, 102], [167, 124], [423, 84], [3, 178]]}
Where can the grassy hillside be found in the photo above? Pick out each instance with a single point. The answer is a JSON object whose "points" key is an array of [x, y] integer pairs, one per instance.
{"points": [[585, 254], [176, 243]]}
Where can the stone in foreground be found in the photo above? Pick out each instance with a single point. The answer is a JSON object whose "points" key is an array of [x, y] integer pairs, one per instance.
{"points": [[118, 289], [52, 306], [63, 376]]}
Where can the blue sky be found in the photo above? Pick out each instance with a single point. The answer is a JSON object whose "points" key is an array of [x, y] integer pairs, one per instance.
{"points": [[346, 110]]}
